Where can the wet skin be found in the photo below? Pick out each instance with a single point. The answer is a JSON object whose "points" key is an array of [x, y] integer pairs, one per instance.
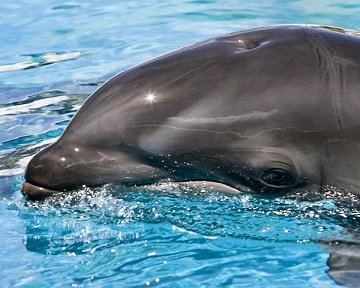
{"points": [[268, 110]]}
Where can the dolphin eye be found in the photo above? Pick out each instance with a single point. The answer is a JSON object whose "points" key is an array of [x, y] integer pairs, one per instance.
{"points": [[277, 177]]}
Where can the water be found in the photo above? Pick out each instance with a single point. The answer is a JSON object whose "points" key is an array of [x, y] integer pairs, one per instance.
{"points": [[53, 55]]}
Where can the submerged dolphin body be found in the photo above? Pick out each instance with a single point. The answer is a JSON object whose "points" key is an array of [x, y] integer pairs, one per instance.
{"points": [[267, 110], [344, 261]]}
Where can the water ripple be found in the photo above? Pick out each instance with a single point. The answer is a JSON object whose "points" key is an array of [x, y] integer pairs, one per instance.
{"points": [[41, 59]]}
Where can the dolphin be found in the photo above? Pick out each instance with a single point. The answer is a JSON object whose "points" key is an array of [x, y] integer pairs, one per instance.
{"points": [[270, 110], [344, 261]]}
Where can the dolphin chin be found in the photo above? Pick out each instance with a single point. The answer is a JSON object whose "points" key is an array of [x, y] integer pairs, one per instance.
{"points": [[35, 192]]}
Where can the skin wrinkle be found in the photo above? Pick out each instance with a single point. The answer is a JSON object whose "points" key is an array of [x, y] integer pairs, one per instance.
{"points": [[332, 70]]}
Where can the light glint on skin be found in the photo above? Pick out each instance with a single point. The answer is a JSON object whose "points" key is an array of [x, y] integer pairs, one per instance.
{"points": [[63, 159], [150, 97], [76, 149]]}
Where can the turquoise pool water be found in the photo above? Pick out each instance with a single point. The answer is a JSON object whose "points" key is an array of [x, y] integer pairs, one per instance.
{"points": [[53, 55]]}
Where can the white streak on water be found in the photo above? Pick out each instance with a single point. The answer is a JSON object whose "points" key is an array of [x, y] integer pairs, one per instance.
{"points": [[41, 60], [24, 108]]}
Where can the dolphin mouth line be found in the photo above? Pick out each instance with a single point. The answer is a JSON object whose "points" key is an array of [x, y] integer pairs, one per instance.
{"points": [[35, 192]]}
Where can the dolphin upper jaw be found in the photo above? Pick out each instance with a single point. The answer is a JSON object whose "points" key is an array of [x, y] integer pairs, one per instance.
{"points": [[65, 166]]}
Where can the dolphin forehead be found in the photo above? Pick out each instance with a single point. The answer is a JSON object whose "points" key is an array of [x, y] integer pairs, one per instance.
{"points": [[308, 75]]}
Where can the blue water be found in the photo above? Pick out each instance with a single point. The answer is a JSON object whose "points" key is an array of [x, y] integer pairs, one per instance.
{"points": [[53, 55]]}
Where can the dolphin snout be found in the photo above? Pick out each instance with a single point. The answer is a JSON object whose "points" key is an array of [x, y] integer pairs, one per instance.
{"points": [[67, 166], [44, 175], [36, 184]]}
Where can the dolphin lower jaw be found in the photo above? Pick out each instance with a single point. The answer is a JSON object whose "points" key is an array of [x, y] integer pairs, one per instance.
{"points": [[210, 186], [35, 192]]}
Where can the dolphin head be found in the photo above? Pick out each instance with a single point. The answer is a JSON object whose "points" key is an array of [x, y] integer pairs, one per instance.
{"points": [[267, 110]]}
